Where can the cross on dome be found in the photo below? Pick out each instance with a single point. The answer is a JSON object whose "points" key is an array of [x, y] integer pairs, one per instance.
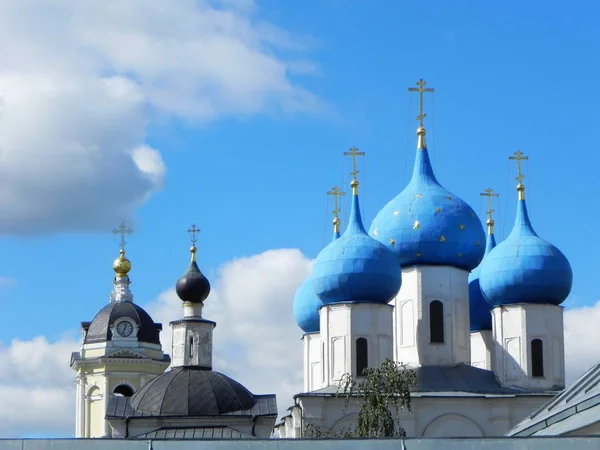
{"points": [[520, 187], [421, 89], [122, 230], [353, 152]]}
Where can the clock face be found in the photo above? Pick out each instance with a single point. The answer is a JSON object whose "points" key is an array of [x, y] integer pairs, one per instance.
{"points": [[124, 328]]}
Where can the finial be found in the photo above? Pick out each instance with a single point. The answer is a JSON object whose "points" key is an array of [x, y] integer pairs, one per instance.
{"points": [[193, 230], [421, 130], [489, 193], [122, 265], [354, 153], [336, 192], [520, 186]]}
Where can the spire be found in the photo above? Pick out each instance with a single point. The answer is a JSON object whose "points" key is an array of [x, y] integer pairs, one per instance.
{"points": [[523, 225], [520, 186], [489, 193], [336, 192], [421, 130], [355, 220], [121, 266]]}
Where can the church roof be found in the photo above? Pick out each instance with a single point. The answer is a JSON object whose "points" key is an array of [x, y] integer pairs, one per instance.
{"points": [[576, 407], [451, 380], [194, 433], [192, 391], [100, 328], [120, 408]]}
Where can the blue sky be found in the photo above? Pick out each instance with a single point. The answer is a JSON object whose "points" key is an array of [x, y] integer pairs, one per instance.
{"points": [[252, 173]]}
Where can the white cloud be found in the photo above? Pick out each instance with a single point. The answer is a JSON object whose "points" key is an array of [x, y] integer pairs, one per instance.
{"points": [[37, 394], [582, 335], [81, 81]]}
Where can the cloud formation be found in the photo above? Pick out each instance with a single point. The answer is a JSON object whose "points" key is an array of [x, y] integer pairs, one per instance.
{"points": [[80, 82]]}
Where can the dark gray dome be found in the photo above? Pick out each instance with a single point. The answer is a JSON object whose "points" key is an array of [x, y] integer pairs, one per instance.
{"points": [[191, 391], [193, 286], [99, 330]]}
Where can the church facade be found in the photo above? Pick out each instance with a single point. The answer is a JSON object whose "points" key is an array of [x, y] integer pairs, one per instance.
{"points": [[480, 323], [123, 390]]}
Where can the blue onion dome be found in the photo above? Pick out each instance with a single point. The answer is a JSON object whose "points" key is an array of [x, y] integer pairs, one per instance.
{"points": [[193, 287], [428, 225], [306, 307], [479, 308], [356, 267], [306, 304], [525, 268]]}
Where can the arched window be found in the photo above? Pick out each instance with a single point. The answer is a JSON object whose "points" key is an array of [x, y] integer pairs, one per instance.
{"points": [[123, 390], [436, 322], [537, 358], [362, 356]]}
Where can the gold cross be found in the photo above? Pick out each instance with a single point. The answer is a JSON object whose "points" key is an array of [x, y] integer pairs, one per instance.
{"points": [[519, 157], [193, 230], [354, 153], [336, 192], [420, 89], [122, 230], [489, 193]]}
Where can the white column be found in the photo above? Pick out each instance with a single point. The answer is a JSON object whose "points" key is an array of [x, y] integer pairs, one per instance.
{"points": [[192, 342], [343, 324], [516, 327], [422, 285]]}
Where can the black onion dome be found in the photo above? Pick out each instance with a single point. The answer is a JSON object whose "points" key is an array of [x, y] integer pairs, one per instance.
{"points": [[191, 391], [99, 330], [193, 286]]}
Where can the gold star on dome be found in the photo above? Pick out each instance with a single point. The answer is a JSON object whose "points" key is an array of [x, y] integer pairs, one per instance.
{"points": [[416, 225], [472, 214], [461, 226], [438, 210], [392, 241], [418, 254], [442, 238]]}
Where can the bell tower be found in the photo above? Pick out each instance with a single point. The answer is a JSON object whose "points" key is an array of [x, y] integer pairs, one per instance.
{"points": [[120, 352]]}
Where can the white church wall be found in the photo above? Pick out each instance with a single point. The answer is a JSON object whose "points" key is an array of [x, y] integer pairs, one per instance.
{"points": [[422, 285], [432, 416], [482, 345], [314, 376], [515, 328], [342, 325]]}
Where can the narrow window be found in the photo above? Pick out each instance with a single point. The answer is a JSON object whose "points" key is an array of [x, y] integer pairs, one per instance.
{"points": [[537, 358], [436, 322], [362, 356], [191, 346], [123, 390]]}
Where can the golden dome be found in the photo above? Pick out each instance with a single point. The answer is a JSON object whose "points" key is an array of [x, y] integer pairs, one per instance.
{"points": [[122, 265]]}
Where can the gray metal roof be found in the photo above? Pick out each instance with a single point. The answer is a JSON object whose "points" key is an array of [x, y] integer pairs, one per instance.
{"points": [[120, 408], [98, 330], [566, 443], [194, 433], [576, 407], [450, 380]]}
